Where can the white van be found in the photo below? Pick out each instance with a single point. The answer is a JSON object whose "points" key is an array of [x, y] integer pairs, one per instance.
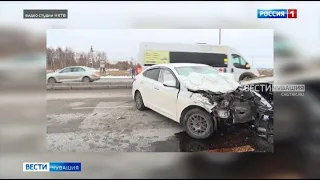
{"points": [[224, 58]]}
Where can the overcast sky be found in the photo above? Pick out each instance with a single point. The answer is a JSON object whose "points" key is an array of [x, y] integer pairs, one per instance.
{"points": [[304, 32], [254, 44]]}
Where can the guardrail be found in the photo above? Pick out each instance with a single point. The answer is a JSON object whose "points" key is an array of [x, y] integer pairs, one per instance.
{"points": [[121, 84], [87, 86]]}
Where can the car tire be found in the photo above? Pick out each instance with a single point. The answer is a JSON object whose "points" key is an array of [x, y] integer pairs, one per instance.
{"points": [[52, 80], [245, 78], [86, 79], [139, 101], [197, 120]]}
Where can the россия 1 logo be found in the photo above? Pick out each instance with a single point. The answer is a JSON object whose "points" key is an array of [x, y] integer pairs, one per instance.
{"points": [[277, 13], [52, 167]]}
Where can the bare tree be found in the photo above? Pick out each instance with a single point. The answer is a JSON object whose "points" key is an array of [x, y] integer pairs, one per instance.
{"points": [[122, 65], [50, 58], [83, 59], [58, 58], [69, 57]]}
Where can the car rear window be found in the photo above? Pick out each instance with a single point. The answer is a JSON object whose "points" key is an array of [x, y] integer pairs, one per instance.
{"points": [[152, 74]]}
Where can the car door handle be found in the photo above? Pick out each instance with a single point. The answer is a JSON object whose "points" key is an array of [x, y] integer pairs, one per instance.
{"points": [[156, 88]]}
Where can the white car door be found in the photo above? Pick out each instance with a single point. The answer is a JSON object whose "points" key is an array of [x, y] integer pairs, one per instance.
{"points": [[78, 73], [166, 97], [65, 75], [147, 87]]}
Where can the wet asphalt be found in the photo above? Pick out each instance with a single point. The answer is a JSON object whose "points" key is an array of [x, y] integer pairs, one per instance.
{"points": [[231, 139], [107, 120]]}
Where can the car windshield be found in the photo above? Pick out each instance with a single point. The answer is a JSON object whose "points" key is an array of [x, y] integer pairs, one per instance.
{"points": [[187, 70]]}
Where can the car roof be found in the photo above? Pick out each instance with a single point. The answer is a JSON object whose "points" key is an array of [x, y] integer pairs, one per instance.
{"points": [[173, 65], [78, 66]]}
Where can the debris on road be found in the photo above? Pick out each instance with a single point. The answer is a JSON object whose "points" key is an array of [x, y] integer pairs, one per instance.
{"points": [[246, 148]]}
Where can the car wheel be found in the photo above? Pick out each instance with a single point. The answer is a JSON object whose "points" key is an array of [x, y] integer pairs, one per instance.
{"points": [[86, 79], [139, 101], [52, 80], [198, 124], [246, 78]]}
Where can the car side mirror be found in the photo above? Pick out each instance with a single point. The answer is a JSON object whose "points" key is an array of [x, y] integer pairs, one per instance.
{"points": [[248, 66], [169, 84]]}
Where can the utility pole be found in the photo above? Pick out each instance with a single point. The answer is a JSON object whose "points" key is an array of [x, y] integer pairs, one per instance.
{"points": [[219, 36], [91, 56], [252, 62]]}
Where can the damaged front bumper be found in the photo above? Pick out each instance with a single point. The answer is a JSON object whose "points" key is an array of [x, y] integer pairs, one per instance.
{"points": [[240, 106]]}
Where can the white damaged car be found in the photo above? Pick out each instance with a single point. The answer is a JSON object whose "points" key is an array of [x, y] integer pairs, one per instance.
{"points": [[198, 97]]}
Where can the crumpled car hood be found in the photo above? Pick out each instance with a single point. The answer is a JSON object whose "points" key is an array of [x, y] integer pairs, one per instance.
{"points": [[219, 83]]}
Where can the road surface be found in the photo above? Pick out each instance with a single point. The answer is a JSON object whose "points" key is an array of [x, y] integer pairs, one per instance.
{"points": [[107, 120]]}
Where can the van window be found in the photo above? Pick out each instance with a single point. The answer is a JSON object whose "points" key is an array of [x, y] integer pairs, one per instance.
{"points": [[211, 59], [239, 62], [152, 74]]}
